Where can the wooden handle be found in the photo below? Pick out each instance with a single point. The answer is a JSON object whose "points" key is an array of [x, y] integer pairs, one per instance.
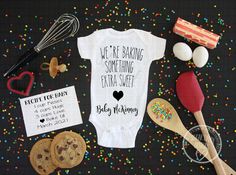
{"points": [[212, 151], [198, 145]]}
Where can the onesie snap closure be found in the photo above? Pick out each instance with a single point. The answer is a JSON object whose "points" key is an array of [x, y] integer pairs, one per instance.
{"points": [[116, 137]]}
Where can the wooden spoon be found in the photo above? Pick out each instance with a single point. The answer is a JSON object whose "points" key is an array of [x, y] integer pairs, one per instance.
{"points": [[175, 124], [190, 95]]}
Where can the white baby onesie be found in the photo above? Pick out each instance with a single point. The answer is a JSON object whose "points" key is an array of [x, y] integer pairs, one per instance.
{"points": [[120, 66]]}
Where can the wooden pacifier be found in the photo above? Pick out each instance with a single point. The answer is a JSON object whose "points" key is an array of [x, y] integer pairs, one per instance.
{"points": [[53, 67]]}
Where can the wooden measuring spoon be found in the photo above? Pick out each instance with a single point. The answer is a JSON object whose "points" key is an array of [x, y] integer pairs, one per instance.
{"points": [[175, 124], [190, 95]]}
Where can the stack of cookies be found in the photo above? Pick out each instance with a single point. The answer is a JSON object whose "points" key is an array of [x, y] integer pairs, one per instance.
{"points": [[66, 150]]}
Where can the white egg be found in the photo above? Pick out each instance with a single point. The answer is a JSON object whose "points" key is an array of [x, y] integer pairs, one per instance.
{"points": [[182, 51], [200, 56]]}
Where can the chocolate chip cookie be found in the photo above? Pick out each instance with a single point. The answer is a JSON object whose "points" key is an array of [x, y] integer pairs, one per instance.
{"points": [[40, 157], [67, 149]]}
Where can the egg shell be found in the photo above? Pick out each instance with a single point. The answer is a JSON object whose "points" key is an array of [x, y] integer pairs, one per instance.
{"points": [[182, 51], [200, 56]]}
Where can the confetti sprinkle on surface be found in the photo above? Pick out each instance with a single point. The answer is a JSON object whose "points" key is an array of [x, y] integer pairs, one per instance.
{"points": [[157, 150]]}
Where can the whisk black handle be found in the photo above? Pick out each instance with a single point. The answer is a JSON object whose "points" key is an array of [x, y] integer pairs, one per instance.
{"points": [[26, 57]]}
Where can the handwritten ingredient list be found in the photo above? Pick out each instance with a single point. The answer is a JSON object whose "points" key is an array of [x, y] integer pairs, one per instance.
{"points": [[51, 111]]}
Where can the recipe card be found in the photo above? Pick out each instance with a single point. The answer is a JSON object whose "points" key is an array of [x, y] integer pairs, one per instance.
{"points": [[50, 111]]}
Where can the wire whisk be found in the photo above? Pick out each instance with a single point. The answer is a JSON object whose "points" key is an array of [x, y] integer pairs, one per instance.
{"points": [[67, 25]]}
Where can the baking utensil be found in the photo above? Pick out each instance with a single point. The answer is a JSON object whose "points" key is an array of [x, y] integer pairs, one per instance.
{"points": [[53, 67], [172, 122], [190, 95], [27, 90], [65, 26]]}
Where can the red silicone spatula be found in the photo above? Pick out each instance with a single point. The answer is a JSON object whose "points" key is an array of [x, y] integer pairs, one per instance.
{"points": [[190, 95]]}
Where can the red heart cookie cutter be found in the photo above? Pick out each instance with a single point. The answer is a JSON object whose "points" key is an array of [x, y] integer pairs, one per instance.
{"points": [[25, 92]]}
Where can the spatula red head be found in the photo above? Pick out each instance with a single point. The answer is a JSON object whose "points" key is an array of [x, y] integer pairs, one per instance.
{"points": [[189, 92]]}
